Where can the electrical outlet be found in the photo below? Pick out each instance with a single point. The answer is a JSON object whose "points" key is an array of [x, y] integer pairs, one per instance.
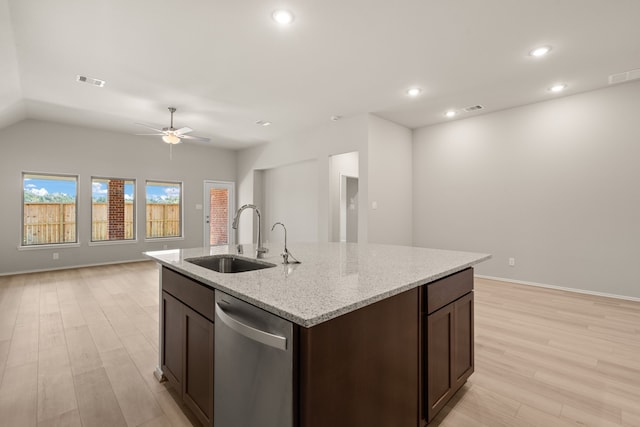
{"points": [[56, 256], [512, 262]]}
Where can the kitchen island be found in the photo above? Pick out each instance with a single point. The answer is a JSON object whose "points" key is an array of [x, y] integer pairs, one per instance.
{"points": [[380, 335]]}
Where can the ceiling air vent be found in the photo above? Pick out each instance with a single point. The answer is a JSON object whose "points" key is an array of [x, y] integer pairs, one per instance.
{"points": [[473, 108], [634, 74], [624, 77], [90, 80]]}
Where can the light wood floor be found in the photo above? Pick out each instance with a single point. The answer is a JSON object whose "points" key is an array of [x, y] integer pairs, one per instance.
{"points": [[550, 358], [78, 347]]}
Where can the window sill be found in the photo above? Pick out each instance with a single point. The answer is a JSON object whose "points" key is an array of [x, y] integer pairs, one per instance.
{"points": [[113, 242], [162, 239], [49, 246]]}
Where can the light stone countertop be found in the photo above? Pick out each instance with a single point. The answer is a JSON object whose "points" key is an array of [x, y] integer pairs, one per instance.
{"points": [[333, 278]]}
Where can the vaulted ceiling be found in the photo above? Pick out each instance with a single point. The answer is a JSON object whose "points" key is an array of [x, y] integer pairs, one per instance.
{"points": [[226, 64]]}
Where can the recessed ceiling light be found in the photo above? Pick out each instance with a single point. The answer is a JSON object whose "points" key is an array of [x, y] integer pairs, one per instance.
{"points": [[450, 114], [540, 51], [335, 118], [282, 16], [263, 123], [414, 91], [557, 88]]}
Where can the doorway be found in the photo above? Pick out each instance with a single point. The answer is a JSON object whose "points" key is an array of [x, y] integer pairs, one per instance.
{"points": [[348, 209], [341, 167], [219, 203]]}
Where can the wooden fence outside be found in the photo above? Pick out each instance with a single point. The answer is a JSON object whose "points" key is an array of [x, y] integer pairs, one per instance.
{"points": [[100, 221], [163, 220], [46, 223], [49, 223]]}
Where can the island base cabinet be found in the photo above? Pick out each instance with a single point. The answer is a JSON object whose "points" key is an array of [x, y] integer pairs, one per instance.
{"points": [[361, 369], [197, 388], [449, 352], [188, 343], [439, 356], [462, 366], [172, 342], [396, 362]]}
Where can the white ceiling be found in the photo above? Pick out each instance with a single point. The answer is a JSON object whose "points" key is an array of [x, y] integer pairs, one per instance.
{"points": [[225, 64]]}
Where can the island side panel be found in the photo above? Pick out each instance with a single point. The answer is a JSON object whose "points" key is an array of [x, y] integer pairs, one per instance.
{"points": [[362, 368]]}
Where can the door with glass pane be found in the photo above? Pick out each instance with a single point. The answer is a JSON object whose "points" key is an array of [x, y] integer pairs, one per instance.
{"points": [[219, 204]]}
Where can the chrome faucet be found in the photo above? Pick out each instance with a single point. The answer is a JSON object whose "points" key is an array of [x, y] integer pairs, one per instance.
{"points": [[260, 250], [286, 254]]}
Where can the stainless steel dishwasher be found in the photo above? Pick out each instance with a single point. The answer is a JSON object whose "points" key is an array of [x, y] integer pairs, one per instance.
{"points": [[253, 366]]}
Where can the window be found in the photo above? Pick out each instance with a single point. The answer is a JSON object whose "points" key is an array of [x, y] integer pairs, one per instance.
{"points": [[164, 209], [49, 209], [112, 209]]}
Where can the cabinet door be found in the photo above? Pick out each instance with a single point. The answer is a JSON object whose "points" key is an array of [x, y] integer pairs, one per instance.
{"points": [[462, 364], [172, 340], [198, 371], [439, 357]]}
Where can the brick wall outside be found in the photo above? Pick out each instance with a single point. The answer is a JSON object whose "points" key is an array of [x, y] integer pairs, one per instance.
{"points": [[219, 217], [116, 209]]}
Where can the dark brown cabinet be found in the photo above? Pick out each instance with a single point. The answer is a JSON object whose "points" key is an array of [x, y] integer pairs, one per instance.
{"points": [[172, 342], [361, 369], [462, 366], [197, 385], [448, 338], [395, 362], [188, 342]]}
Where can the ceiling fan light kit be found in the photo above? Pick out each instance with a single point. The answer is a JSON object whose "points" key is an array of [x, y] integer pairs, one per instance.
{"points": [[171, 139]]}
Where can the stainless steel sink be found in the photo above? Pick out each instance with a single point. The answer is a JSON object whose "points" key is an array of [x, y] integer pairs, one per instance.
{"points": [[229, 263]]}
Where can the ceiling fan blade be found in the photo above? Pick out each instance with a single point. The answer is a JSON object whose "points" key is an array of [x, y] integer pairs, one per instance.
{"points": [[183, 130], [170, 132], [151, 127], [195, 138]]}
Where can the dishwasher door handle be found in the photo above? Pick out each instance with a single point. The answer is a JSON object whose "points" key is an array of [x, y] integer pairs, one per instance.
{"points": [[266, 338]]}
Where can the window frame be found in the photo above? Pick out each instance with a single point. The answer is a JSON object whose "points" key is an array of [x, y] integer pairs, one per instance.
{"points": [[180, 207], [134, 239], [44, 175]]}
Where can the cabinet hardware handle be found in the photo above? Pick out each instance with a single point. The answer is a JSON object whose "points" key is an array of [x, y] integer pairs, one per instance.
{"points": [[250, 332]]}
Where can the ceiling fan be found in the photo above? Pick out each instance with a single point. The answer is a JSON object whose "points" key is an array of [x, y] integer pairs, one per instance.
{"points": [[171, 135]]}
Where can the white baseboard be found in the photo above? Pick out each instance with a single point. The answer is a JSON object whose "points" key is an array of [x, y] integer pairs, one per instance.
{"points": [[68, 267], [559, 288]]}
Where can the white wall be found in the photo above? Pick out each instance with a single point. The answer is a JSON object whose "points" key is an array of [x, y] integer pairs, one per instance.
{"points": [[316, 145], [384, 172], [37, 146], [390, 183], [290, 196], [12, 107], [554, 185]]}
